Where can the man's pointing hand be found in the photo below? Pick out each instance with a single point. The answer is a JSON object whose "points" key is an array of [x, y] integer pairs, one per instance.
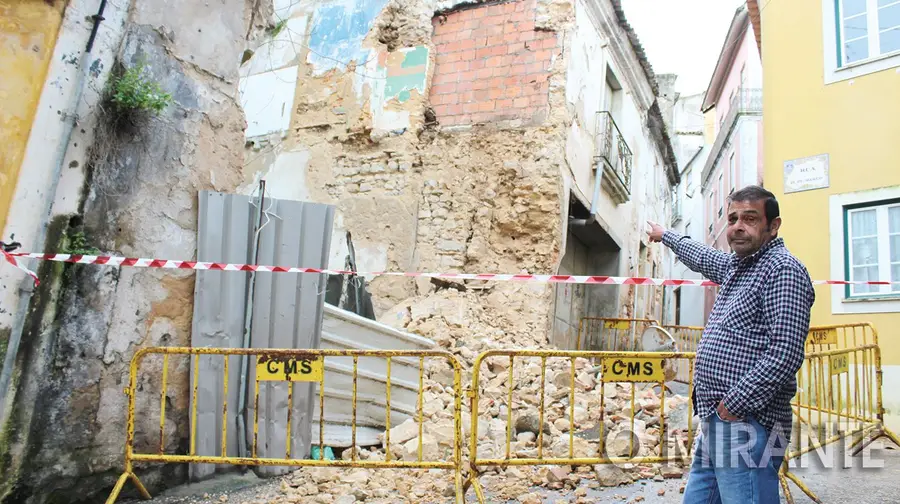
{"points": [[656, 231]]}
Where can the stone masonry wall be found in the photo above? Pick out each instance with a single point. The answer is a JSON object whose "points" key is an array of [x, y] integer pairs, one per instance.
{"points": [[134, 184]]}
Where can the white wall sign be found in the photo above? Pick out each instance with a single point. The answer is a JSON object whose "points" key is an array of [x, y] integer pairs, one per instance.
{"points": [[806, 174]]}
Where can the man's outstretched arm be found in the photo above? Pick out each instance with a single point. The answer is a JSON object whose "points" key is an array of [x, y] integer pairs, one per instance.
{"points": [[709, 262]]}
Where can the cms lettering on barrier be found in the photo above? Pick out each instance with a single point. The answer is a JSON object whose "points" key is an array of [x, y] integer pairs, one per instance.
{"points": [[839, 364], [823, 337], [633, 369], [291, 369], [617, 324]]}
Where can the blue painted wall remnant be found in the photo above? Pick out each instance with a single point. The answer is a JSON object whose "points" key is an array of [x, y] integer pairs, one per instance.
{"points": [[338, 30], [409, 74], [418, 56]]}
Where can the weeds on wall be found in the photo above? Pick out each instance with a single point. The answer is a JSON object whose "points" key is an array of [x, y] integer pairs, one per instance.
{"points": [[278, 28], [130, 114], [133, 91], [78, 244]]}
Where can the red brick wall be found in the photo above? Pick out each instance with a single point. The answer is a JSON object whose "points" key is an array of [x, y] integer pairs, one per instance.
{"points": [[491, 64]]}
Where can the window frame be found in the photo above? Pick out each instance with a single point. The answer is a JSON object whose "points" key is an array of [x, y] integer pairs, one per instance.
{"points": [[887, 291], [835, 69], [732, 173], [839, 256], [721, 192]]}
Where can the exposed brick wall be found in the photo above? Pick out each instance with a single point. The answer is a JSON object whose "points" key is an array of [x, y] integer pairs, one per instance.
{"points": [[491, 64]]}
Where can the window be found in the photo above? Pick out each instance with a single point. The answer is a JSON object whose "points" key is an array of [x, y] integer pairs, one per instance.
{"points": [[721, 193], [689, 182], [872, 242], [687, 230], [711, 209], [732, 174], [868, 28], [863, 37]]}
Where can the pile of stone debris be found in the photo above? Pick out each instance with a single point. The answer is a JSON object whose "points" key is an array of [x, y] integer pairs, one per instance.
{"points": [[632, 421]]}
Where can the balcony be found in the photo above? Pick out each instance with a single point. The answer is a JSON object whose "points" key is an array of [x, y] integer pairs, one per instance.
{"points": [[747, 101], [614, 155]]}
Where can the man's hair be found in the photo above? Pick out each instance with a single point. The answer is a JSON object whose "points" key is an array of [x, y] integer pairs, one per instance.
{"points": [[757, 193]]}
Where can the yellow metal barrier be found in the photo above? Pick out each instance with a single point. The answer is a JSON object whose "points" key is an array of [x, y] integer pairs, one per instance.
{"points": [[835, 337], [687, 338], [289, 366], [836, 388], [610, 334], [630, 369]]}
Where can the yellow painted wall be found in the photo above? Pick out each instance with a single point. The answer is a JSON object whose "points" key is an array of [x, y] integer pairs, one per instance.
{"points": [[709, 126], [28, 30], [856, 122]]}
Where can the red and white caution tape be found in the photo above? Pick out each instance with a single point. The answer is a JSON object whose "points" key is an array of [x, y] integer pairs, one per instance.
{"points": [[11, 259], [214, 266]]}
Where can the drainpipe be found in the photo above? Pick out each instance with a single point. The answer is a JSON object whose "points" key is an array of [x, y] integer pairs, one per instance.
{"points": [[248, 322], [26, 288]]}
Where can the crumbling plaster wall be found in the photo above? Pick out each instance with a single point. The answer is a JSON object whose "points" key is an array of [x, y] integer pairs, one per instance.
{"points": [[361, 134], [132, 189]]}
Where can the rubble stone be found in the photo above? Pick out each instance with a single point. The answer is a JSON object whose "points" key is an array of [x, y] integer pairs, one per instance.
{"points": [[530, 422], [610, 475], [530, 498], [671, 471], [403, 432], [430, 450]]}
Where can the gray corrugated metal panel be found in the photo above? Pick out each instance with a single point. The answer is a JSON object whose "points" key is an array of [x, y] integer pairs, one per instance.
{"points": [[287, 313], [367, 333], [223, 235], [342, 329]]}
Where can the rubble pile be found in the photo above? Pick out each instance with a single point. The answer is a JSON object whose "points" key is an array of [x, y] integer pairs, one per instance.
{"points": [[456, 320]]}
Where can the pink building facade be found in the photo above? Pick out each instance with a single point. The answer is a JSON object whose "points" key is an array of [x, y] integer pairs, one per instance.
{"points": [[734, 99]]}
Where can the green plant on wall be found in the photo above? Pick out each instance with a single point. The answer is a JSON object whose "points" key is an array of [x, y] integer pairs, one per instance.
{"points": [[133, 91], [279, 26], [78, 245]]}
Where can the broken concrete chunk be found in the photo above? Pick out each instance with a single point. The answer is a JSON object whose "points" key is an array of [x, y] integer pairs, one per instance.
{"points": [[610, 475]]}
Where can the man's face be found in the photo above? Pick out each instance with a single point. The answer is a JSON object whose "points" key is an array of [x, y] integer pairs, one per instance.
{"points": [[747, 229]]}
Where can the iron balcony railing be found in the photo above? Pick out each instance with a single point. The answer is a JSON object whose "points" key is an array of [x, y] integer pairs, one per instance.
{"points": [[614, 155]]}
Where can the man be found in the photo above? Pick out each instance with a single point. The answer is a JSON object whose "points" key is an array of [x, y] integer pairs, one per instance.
{"points": [[749, 354]]}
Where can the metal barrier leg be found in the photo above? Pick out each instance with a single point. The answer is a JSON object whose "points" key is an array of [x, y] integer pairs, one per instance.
{"points": [[785, 488], [120, 483], [861, 437], [479, 492], [116, 489], [140, 486], [460, 491], [880, 433], [805, 489], [893, 437]]}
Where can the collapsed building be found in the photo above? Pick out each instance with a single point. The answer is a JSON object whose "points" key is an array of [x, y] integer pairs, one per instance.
{"points": [[520, 136]]}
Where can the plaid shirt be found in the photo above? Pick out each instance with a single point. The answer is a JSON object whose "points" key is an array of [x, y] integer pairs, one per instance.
{"points": [[753, 344]]}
